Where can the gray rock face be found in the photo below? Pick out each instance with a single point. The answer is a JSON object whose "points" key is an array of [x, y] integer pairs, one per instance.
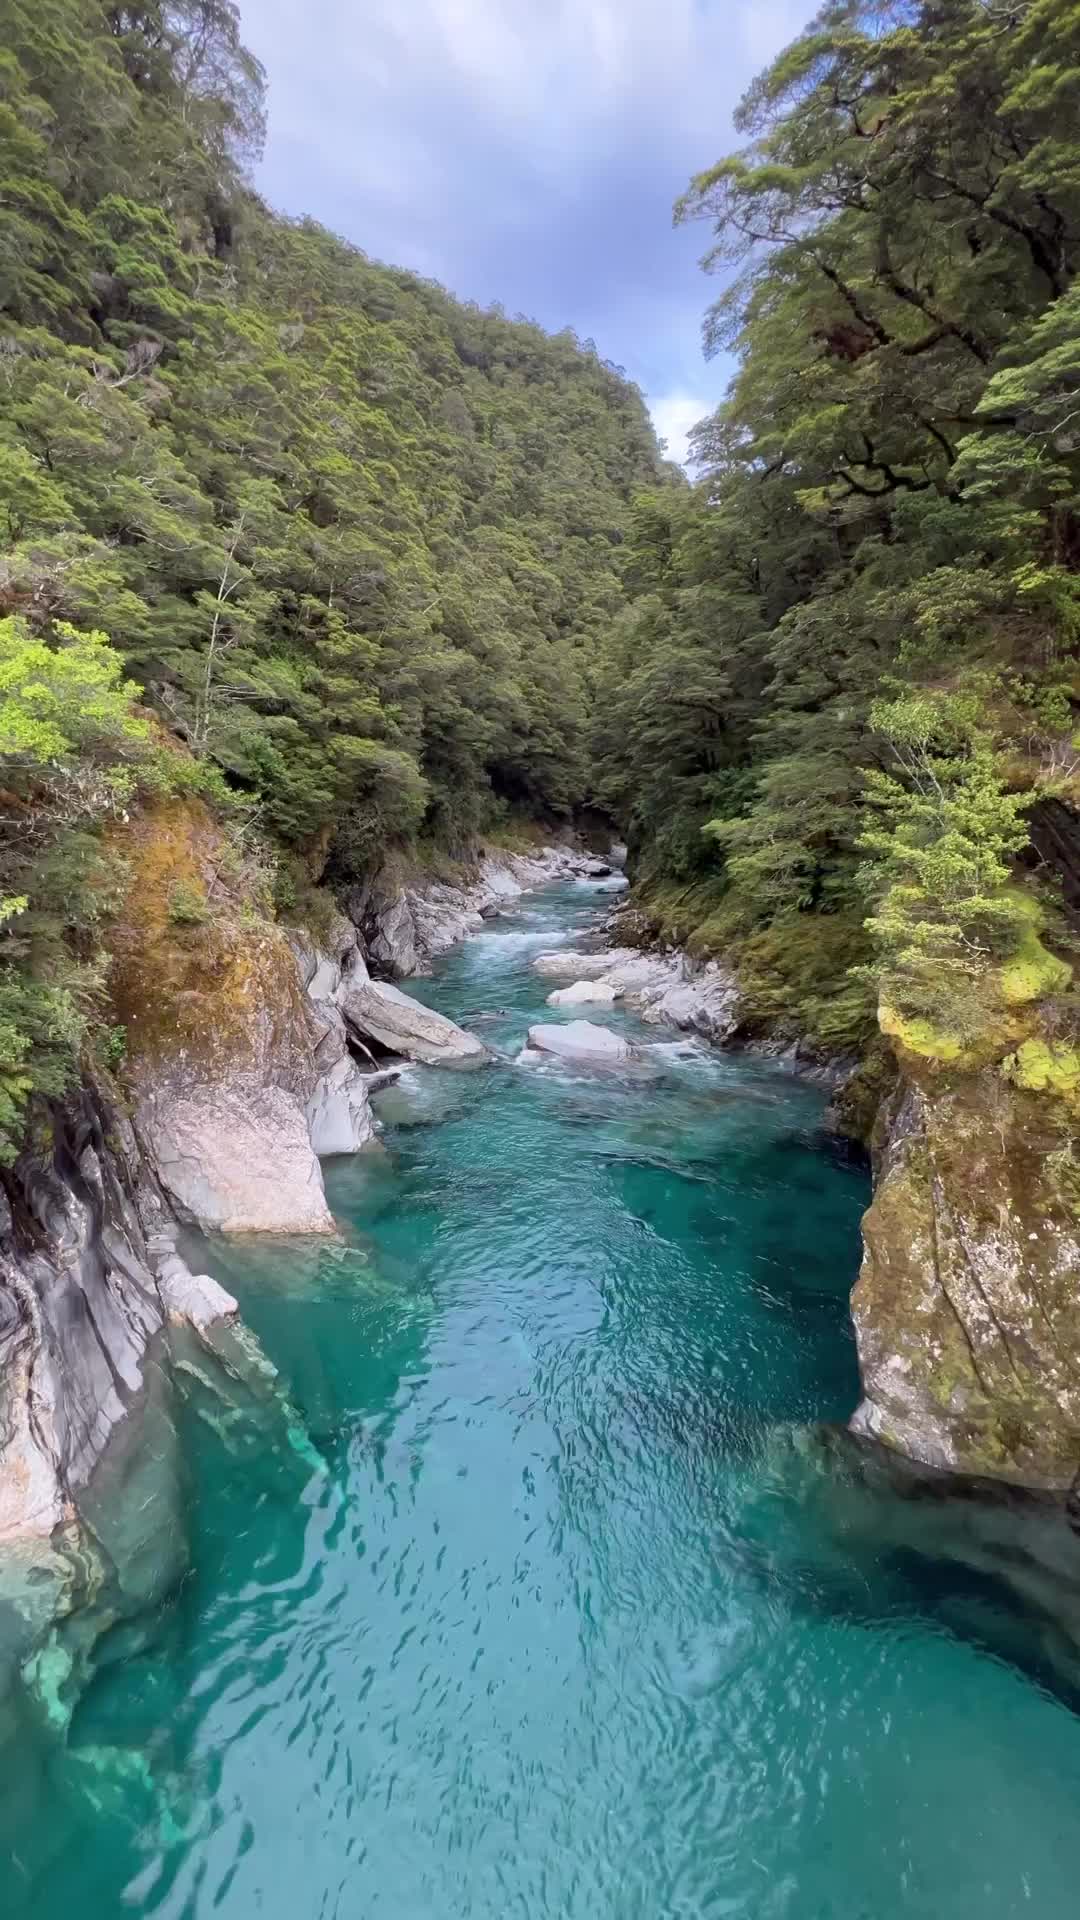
{"points": [[339, 1116], [404, 927], [88, 1276], [581, 1040], [385, 1015], [238, 1159], [238, 1151]]}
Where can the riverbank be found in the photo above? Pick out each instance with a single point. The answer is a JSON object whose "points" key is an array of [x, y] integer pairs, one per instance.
{"points": [[554, 1602]]}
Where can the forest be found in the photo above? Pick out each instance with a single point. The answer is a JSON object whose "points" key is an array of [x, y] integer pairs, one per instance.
{"points": [[840, 715], [370, 568], [280, 526]]}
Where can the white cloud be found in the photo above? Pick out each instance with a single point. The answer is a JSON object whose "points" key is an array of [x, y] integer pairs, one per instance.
{"points": [[673, 415], [522, 150], [549, 78]]}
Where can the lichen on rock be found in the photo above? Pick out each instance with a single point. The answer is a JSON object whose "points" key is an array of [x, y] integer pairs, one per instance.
{"points": [[967, 1309]]}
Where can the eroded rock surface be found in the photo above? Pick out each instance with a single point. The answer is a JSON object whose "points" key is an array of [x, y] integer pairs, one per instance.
{"points": [[89, 1274], [379, 1012], [967, 1309]]}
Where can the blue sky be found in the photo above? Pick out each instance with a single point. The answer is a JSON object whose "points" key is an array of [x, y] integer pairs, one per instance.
{"points": [[526, 151]]}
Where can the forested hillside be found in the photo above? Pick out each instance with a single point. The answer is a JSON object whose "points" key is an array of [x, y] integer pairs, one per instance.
{"points": [[357, 544], [841, 716]]}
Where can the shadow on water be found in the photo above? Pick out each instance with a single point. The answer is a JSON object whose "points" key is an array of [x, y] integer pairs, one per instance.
{"points": [[846, 1529]]}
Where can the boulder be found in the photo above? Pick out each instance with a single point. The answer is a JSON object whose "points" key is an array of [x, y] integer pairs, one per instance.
{"points": [[399, 1024], [706, 1002], [583, 993], [237, 1158], [581, 1040], [338, 1114], [663, 987], [196, 1299], [567, 964]]}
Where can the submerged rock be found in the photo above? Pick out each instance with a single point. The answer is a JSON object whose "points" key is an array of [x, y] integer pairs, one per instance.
{"points": [[383, 1014], [583, 993], [581, 1040]]}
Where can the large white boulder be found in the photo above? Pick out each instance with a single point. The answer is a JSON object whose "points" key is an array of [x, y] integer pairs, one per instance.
{"points": [[581, 1040], [382, 1013], [237, 1158], [583, 993]]}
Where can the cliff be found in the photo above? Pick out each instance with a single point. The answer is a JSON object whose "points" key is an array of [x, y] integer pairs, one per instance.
{"points": [[967, 1309]]}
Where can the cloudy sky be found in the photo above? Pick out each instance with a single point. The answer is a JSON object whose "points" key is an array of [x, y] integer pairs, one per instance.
{"points": [[526, 151]]}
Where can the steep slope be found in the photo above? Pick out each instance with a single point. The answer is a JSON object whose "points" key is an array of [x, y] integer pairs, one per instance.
{"points": [[355, 541], [841, 721]]}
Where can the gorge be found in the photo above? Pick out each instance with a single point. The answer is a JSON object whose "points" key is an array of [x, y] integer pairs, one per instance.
{"points": [[528, 1534], [539, 1031]]}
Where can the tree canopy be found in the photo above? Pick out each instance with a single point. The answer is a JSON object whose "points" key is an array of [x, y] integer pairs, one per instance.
{"points": [[849, 680], [356, 542]]}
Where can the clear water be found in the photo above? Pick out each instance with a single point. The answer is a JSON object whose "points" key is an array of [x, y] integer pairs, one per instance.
{"points": [[562, 1628]]}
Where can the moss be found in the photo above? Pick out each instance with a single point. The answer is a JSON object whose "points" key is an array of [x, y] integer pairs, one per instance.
{"points": [[916, 1034], [1046, 1066], [212, 994], [1033, 972]]}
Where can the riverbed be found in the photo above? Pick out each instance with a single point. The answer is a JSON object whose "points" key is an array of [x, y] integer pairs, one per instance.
{"points": [[548, 1625]]}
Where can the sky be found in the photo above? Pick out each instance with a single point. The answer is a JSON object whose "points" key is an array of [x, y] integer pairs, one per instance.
{"points": [[524, 151]]}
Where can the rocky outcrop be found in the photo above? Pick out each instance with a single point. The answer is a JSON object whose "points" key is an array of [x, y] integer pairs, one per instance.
{"points": [[405, 922], [239, 1065], [665, 989], [581, 1040], [380, 1013], [967, 1309], [89, 1276]]}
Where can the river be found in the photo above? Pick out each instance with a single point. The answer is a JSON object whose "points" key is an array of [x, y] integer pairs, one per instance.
{"points": [[545, 1627]]}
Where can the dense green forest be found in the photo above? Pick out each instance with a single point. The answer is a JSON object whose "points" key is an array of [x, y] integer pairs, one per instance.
{"points": [[841, 715], [355, 544], [367, 567]]}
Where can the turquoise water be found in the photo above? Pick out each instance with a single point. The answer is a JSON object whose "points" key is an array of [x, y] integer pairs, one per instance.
{"points": [[547, 1617]]}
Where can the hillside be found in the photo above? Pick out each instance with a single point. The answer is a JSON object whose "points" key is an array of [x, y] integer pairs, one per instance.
{"points": [[357, 543]]}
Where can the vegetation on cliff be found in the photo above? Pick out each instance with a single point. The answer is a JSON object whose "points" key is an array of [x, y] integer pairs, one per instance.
{"points": [[844, 704], [358, 543]]}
